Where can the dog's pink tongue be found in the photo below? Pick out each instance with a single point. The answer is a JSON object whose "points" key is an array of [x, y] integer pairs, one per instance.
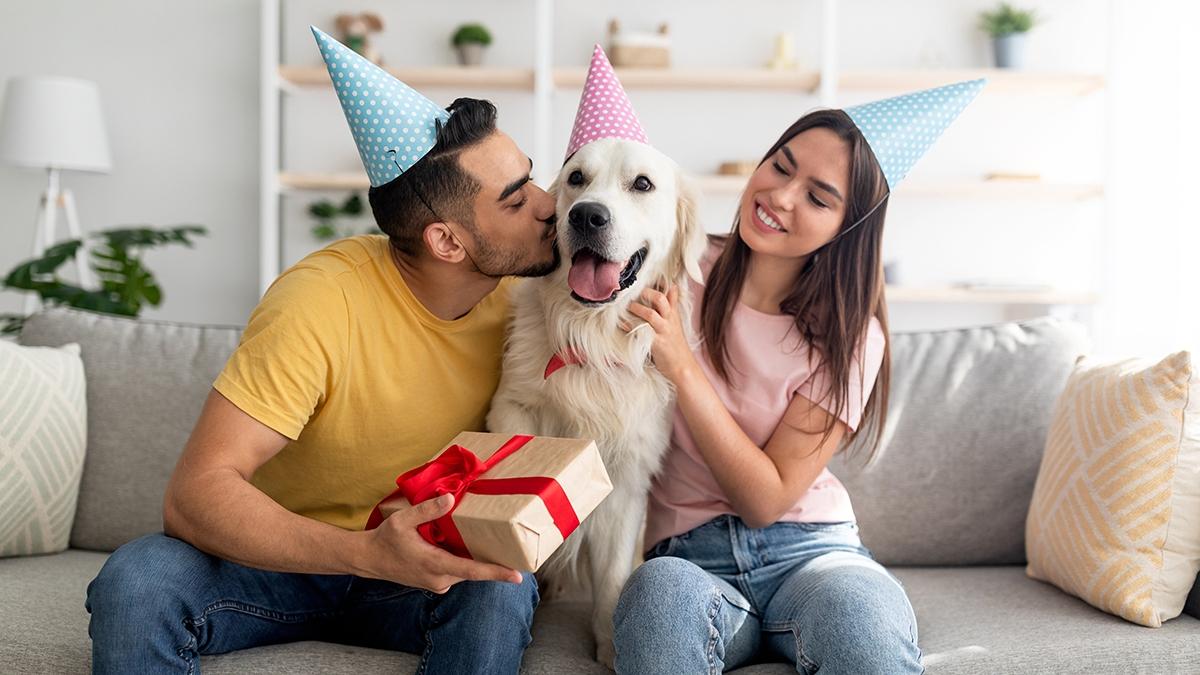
{"points": [[593, 279]]}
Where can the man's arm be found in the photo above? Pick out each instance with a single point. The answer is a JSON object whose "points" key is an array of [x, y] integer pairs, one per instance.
{"points": [[210, 503]]}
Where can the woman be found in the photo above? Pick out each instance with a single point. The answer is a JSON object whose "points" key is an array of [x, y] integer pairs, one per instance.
{"points": [[751, 542]]}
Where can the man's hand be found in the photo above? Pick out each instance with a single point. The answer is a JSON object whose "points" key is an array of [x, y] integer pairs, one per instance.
{"points": [[396, 552]]}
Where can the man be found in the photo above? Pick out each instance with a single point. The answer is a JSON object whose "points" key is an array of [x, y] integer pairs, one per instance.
{"points": [[359, 362]]}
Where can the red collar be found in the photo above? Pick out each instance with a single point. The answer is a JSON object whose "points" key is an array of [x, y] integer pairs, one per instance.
{"points": [[568, 358]]}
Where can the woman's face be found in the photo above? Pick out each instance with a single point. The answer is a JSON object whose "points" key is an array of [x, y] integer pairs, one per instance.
{"points": [[796, 200]]}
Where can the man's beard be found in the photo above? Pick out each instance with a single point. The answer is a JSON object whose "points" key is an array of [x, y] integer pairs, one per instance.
{"points": [[496, 264]]}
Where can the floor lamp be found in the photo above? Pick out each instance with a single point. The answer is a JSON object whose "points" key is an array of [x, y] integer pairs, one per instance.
{"points": [[54, 124]]}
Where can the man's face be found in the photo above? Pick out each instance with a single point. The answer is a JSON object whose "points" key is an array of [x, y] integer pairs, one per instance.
{"points": [[514, 232]]}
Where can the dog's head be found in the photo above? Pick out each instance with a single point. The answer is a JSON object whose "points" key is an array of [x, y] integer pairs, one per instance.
{"points": [[626, 220]]}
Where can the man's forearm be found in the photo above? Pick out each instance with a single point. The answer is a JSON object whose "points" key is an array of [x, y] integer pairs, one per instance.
{"points": [[222, 514]]}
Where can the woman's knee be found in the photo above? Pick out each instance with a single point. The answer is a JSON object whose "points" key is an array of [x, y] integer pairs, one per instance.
{"points": [[664, 583], [865, 623]]}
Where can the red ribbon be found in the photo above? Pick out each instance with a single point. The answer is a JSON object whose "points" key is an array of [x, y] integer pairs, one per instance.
{"points": [[456, 471]]}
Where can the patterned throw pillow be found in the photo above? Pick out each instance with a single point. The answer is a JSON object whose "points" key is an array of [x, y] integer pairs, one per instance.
{"points": [[43, 434], [1115, 518]]}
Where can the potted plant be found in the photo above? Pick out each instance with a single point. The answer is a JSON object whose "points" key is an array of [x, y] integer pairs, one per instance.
{"points": [[469, 40], [327, 214], [125, 283], [1007, 26]]}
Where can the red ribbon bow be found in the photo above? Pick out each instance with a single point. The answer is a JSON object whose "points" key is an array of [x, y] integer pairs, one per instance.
{"points": [[456, 471]]}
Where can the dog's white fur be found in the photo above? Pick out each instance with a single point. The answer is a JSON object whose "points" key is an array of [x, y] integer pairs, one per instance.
{"points": [[617, 398]]}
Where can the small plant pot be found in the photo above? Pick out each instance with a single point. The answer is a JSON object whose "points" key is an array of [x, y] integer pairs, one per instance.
{"points": [[470, 54], [1010, 51]]}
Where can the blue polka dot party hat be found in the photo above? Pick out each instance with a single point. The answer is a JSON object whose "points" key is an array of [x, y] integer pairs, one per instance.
{"points": [[901, 129], [392, 124]]}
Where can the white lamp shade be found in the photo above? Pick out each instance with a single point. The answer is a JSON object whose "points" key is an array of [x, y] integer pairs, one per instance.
{"points": [[53, 123]]}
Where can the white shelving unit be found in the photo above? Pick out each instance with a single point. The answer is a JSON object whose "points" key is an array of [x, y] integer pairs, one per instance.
{"points": [[542, 79]]}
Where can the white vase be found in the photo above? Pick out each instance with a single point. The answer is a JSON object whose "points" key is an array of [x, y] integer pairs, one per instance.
{"points": [[470, 54], [1010, 51]]}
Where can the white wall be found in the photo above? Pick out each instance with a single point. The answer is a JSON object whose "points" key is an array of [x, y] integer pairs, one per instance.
{"points": [[179, 85], [179, 88]]}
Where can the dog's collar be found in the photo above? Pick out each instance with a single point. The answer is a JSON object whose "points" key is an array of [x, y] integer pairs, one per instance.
{"points": [[569, 357]]}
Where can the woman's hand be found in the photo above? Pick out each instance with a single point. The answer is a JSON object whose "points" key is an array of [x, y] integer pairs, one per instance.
{"points": [[671, 352]]}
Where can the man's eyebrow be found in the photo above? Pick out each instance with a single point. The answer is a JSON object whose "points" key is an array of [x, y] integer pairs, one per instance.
{"points": [[516, 184], [828, 188], [788, 153]]}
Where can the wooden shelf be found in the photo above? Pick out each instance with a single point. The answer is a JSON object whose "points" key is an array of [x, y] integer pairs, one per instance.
{"points": [[983, 295], [434, 76], [351, 180], [949, 189], [802, 81], [1006, 81]]}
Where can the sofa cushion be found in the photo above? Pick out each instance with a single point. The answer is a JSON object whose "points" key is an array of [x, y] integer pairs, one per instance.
{"points": [[970, 620], [43, 435], [146, 383], [1115, 517], [968, 414], [997, 620]]}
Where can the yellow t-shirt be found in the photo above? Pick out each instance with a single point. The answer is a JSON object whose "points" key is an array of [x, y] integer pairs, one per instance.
{"points": [[341, 358]]}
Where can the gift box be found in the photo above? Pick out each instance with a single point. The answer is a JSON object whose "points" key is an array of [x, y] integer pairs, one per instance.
{"points": [[517, 498]]}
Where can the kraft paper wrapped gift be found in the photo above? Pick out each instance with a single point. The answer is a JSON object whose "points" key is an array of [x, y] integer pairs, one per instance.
{"points": [[517, 498]]}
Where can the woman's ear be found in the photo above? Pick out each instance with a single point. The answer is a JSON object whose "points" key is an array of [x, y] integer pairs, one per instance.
{"points": [[690, 241]]}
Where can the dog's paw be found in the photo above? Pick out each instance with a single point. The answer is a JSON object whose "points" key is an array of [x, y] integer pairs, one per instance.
{"points": [[605, 654]]}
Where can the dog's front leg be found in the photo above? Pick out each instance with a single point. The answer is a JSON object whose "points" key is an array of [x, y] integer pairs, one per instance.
{"points": [[611, 551]]}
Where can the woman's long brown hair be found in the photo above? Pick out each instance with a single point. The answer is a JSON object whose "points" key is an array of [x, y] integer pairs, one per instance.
{"points": [[836, 293]]}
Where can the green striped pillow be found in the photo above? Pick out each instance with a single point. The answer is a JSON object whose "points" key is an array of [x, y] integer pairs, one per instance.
{"points": [[43, 435]]}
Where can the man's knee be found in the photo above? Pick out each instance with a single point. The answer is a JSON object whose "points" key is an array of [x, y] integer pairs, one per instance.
{"points": [[141, 575], [495, 600]]}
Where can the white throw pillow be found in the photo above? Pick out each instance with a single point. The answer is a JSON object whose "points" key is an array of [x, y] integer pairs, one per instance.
{"points": [[43, 435]]}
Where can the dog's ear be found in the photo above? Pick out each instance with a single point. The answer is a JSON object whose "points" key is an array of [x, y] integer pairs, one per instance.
{"points": [[690, 240]]}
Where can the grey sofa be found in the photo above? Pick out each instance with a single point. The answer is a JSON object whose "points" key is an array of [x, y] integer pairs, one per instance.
{"points": [[944, 507]]}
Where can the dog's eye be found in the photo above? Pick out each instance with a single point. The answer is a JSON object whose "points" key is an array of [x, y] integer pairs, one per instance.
{"points": [[642, 184], [576, 178]]}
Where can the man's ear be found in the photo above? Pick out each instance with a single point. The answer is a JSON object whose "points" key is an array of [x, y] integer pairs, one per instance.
{"points": [[442, 243], [690, 240]]}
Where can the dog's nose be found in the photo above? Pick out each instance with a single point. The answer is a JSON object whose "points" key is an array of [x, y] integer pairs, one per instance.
{"points": [[589, 217]]}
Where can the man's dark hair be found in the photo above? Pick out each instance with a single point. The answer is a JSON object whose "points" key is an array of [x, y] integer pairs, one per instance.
{"points": [[437, 177]]}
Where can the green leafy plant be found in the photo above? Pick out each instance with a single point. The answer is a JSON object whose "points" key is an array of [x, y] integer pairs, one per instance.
{"points": [[125, 283], [471, 33], [1007, 20], [327, 214]]}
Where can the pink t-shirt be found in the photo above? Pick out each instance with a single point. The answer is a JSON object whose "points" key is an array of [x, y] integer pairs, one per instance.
{"points": [[769, 363]]}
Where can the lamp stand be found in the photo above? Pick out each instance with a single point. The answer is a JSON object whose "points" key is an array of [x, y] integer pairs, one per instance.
{"points": [[44, 234]]}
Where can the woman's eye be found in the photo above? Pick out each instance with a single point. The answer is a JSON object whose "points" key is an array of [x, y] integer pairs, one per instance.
{"points": [[576, 178], [642, 184], [819, 204], [779, 168]]}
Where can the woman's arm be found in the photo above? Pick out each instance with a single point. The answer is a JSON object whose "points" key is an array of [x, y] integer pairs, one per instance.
{"points": [[761, 484]]}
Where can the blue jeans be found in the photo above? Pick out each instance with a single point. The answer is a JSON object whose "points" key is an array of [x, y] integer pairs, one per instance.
{"points": [[724, 595], [159, 603]]}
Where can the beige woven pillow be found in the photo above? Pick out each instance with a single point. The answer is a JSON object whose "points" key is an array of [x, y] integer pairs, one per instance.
{"points": [[1115, 517], [43, 434]]}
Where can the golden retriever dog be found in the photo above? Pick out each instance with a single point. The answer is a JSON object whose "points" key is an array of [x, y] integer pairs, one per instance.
{"points": [[626, 222]]}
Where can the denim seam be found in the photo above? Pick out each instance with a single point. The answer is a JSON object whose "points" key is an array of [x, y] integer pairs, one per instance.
{"points": [[189, 648], [254, 610], [714, 607], [433, 623]]}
